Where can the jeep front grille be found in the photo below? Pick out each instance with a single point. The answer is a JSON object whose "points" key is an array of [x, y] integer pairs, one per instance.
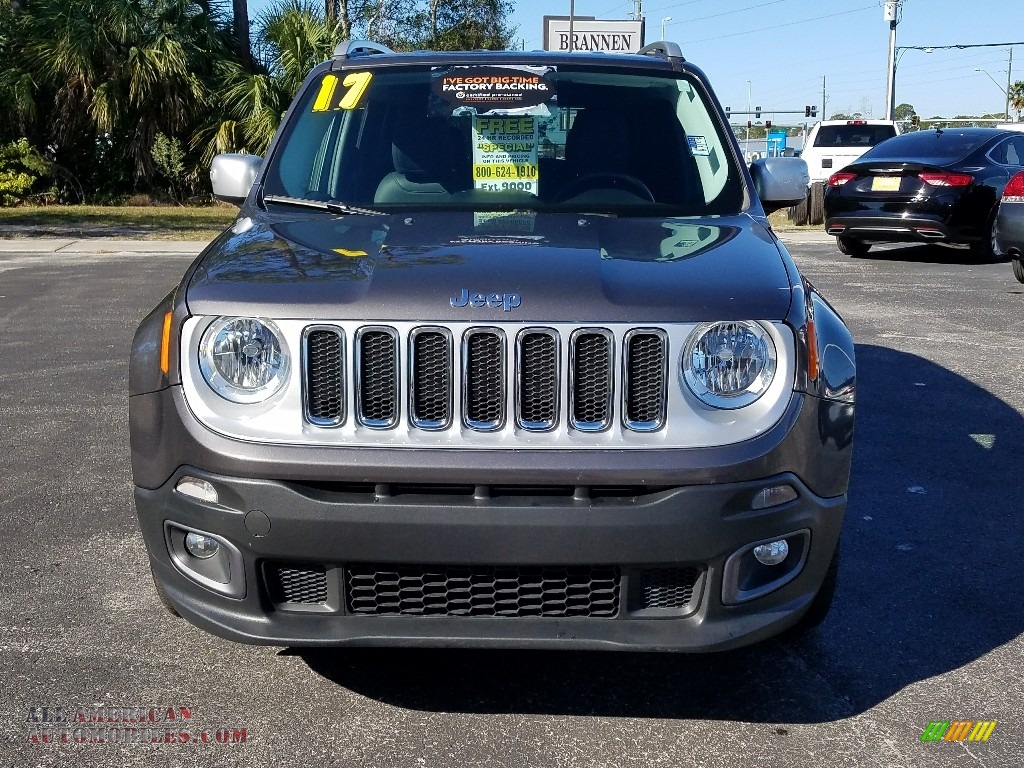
{"points": [[495, 379]]}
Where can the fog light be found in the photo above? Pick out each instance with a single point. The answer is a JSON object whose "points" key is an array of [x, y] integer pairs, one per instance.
{"points": [[772, 497], [197, 489], [771, 553], [205, 547]]}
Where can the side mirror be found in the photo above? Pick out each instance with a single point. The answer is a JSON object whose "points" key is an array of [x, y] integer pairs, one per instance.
{"points": [[780, 181], [232, 176]]}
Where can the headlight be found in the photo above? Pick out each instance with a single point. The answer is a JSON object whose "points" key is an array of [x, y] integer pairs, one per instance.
{"points": [[243, 359], [729, 365]]}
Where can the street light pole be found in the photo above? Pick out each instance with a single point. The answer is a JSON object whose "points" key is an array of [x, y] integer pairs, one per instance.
{"points": [[665, 19], [891, 14]]}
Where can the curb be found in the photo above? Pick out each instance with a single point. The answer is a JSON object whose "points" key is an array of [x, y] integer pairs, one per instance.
{"points": [[100, 245]]}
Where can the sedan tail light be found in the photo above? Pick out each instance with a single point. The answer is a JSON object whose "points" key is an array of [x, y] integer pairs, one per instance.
{"points": [[838, 179], [1014, 191], [946, 179]]}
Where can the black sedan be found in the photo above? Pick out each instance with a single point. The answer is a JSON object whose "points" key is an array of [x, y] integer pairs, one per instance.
{"points": [[935, 186], [1010, 225]]}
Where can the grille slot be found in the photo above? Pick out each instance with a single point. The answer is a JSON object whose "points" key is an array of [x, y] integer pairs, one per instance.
{"points": [[431, 360], [325, 376], [377, 369], [296, 584], [591, 386], [537, 380], [505, 591], [668, 588], [483, 390], [645, 380]]}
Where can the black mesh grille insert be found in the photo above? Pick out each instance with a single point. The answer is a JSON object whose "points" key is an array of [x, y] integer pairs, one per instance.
{"points": [[512, 591], [592, 380], [325, 377], [538, 380], [646, 372], [667, 587], [432, 379], [303, 585], [484, 398], [378, 378]]}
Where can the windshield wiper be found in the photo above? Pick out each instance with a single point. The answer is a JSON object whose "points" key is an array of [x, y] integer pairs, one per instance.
{"points": [[332, 206]]}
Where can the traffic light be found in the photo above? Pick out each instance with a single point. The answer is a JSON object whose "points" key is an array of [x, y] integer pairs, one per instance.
{"points": [[728, 112], [810, 111], [915, 120], [767, 124], [807, 111], [750, 123], [757, 112], [814, 111]]}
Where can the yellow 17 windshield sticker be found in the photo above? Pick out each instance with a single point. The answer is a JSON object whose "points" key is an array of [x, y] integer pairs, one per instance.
{"points": [[505, 153], [329, 99]]}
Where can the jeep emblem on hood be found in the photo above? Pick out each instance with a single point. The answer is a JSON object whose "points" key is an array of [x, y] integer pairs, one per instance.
{"points": [[505, 301]]}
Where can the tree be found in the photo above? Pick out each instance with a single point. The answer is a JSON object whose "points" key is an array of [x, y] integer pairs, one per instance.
{"points": [[240, 22], [1016, 94], [904, 111]]}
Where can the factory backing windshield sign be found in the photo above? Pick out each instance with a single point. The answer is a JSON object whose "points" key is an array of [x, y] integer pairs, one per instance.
{"points": [[589, 34]]}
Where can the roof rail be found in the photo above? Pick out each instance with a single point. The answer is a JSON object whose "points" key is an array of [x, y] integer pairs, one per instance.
{"points": [[359, 47], [663, 48]]}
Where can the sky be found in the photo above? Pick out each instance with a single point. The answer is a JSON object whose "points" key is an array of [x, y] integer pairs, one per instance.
{"points": [[786, 47]]}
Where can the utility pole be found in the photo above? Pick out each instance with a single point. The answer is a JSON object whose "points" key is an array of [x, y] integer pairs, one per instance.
{"points": [[822, 97], [891, 13], [1009, 69]]}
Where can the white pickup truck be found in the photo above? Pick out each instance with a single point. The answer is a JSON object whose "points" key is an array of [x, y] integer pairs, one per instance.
{"points": [[831, 145]]}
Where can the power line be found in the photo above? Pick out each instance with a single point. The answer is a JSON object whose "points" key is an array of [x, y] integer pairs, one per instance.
{"points": [[781, 26]]}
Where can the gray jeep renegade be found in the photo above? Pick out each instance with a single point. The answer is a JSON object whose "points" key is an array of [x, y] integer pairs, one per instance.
{"points": [[501, 351]]}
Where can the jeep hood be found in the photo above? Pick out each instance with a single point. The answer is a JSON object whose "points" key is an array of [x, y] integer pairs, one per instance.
{"points": [[452, 267]]}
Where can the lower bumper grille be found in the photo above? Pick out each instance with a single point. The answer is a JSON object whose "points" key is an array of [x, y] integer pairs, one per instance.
{"points": [[512, 591], [297, 584]]}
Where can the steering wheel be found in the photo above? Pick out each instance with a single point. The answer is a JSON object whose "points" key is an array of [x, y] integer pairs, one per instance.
{"points": [[606, 180]]}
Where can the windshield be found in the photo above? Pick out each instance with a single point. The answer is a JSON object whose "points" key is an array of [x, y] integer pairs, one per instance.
{"points": [[500, 138]]}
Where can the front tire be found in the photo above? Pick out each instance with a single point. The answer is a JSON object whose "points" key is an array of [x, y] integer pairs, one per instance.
{"points": [[985, 250], [852, 247], [800, 213], [1018, 270]]}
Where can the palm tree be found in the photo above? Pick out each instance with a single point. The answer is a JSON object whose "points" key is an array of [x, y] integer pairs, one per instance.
{"points": [[240, 22], [124, 70], [1016, 95]]}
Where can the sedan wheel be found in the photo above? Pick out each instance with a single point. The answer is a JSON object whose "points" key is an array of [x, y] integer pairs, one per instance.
{"points": [[852, 247], [985, 250], [1018, 270]]}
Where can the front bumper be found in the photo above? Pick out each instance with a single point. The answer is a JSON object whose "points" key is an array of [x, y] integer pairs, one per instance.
{"points": [[330, 516], [697, 527]]}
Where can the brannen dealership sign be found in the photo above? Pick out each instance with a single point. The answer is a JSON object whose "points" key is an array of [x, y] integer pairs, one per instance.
{"points": [[589, 34]]}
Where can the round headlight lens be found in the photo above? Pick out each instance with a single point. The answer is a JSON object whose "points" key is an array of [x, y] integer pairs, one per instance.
{"points": [[730, 364], [243, 359]]}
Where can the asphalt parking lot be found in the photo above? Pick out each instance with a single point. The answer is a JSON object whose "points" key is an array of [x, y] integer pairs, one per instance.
{"points": [[927, 624]]}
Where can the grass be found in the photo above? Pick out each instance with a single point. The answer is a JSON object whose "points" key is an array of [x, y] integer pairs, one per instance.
{"points": [[124, 222]]}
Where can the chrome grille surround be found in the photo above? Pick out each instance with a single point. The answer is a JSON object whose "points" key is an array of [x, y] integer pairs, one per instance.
{"points": [[435, 341], [591, 379], [376, 377], [483, 379], [644, 378], [537, 395], [317, 373]]}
